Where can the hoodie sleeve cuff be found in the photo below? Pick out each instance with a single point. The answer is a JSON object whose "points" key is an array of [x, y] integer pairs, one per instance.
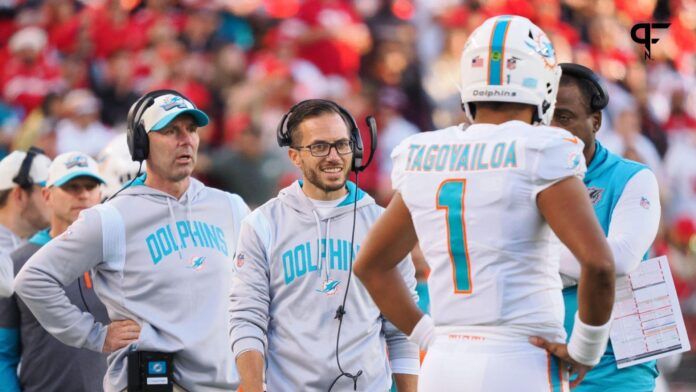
{"points": [[247, 344], [95, 339], [405, 366]]}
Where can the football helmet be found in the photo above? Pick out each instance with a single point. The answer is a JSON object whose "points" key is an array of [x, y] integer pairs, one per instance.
{"points": [[509, 59]]}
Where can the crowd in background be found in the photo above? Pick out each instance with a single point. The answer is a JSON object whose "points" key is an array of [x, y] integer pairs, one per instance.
{"points": [[69, 71]]}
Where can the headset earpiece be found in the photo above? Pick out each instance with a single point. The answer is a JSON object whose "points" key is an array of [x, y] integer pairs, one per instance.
{"points": [[600, 98], [23, 179], [284, 138], [136, 135], [355, 137]]}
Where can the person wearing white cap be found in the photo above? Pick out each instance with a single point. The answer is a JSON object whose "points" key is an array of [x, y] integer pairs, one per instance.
{"points": [[116, 165], [82, 130], [22, 209], [73, 185], [161, 251]]}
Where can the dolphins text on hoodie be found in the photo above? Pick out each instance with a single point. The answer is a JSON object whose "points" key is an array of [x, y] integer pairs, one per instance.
{"points": [[290, 275], [163, 262]]}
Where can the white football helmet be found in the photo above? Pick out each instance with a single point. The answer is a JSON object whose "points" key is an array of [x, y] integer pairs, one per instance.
{"points": [[509, 59], [116, 165]]}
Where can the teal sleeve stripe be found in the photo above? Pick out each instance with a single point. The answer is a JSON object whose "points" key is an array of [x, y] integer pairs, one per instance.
{"points": [[9, 359], [423, 297]]}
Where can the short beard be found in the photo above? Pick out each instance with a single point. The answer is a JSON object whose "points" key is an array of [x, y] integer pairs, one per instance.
{"points": [[313, 177], [32, 215]]}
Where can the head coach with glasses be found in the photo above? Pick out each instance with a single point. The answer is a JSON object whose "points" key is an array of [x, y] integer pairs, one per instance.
{"points": [[292, 271], [161, 252]]}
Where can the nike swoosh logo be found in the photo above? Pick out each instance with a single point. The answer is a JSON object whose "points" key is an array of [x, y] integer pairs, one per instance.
{"points": [[574, 140]]}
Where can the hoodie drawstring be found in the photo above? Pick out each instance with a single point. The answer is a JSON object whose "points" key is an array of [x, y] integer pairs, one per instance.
{"points": [[189, 214], [323, 267], [172, 222], [319, 260]]}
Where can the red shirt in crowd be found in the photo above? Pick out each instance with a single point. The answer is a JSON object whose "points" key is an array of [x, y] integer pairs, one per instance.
{"points": [[330, 55], [26, 85]]}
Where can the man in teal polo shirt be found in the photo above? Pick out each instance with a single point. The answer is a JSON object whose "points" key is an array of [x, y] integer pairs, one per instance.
{"points": [[625, 198], [47, 364]]}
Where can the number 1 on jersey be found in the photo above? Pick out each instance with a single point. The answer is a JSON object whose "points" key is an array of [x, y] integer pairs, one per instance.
{"points": [[450, 197]]}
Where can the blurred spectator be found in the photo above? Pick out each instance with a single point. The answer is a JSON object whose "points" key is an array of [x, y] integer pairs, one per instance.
{"points": [[81, 130], [680, 121], [680, 167], [681, 253], [243, 167], [9, 122], [332, 36], [199, 31], [38, 129], [113, 83], [29, 74], [393, 128], [443, 76], [628, 141]]}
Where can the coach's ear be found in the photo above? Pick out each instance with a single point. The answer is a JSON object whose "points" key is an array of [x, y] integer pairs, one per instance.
{"points": [[596, 121], [294, 156]]}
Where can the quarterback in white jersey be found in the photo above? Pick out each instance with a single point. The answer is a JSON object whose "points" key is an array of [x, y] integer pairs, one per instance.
{"points": [[482, 202], [482, 234]]}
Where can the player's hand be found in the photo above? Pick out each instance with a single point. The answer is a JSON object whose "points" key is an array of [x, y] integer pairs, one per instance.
{"points": [[560, 351], [119, 334]]}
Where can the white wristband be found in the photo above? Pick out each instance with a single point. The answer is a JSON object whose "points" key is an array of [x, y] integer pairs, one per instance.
{"points": [[588, 342], [423, 333]]}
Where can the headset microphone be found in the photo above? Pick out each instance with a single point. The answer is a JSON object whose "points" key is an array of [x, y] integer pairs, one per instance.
{"points": [[341, 311]]}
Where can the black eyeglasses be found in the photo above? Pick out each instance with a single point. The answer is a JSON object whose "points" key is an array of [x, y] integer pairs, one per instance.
{"points": [[322, 149]]}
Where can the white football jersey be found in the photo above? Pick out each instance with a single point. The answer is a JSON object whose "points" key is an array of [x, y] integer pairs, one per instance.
{"points": [[472, 197]]}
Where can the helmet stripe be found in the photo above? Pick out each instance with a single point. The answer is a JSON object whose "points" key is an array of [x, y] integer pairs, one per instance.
{"points": [[497, 50]]}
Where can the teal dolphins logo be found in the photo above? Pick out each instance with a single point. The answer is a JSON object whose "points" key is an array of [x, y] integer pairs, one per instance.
{"points": [[329, 287], [196, 263], [173, 102]]}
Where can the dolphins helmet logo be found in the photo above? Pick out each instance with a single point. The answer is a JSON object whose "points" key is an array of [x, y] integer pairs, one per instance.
{"points": [[543, 47]]}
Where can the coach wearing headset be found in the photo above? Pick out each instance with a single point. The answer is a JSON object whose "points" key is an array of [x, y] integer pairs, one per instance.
{"points": [[161, 252], [47, 364], [293, 271], [626, 200], [23, 211]]}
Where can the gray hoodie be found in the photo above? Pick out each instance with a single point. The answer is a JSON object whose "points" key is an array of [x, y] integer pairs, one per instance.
{"points": [[163, 262], [8, 243], [290, 274]]}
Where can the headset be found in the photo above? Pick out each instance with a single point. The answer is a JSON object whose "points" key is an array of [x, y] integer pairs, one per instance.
{"points": [[136, 135], [600, 97], [23, 179], [284, 140], [283, 134]]}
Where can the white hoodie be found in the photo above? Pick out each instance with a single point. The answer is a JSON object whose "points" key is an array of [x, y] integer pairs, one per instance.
{"points": [[163, 262], [290, 276]]}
